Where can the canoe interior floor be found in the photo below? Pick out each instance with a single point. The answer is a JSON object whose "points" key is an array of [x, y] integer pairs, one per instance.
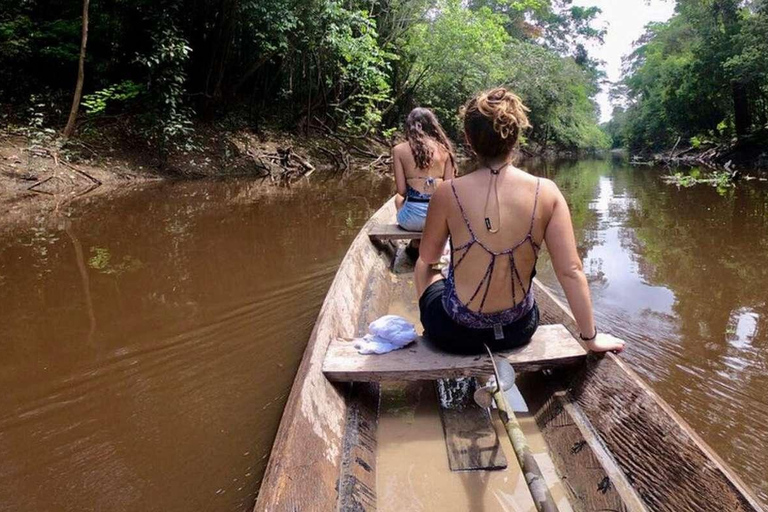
{"points": [[412, 461]]}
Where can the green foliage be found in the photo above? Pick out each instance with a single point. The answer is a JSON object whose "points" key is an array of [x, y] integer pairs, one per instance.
{"points": [[555, 24], [170, 120], [721, 180], [559, 93], [354, 65], [750, 63], [35, 125], [361, 66], [461, 51], [614, 129], [15, 38], [328, 52], [695, 142], [688, 75], [685, 180], [267, 25], [27, 38], [96, 103]]}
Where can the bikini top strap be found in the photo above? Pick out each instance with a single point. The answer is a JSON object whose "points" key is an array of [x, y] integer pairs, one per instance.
{"points": [[463, 213], [535, 203]]}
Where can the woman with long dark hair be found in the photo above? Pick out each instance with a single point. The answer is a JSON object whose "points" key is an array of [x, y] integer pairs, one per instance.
{"points": [[421, 163], [497, 219]]}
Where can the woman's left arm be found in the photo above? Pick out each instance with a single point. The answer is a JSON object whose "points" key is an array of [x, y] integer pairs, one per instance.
{"points": [[433, 240], [400, 182], [435, 233]]}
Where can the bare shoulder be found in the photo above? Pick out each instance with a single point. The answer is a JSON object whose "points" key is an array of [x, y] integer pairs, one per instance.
{"points": [[400, 149], [439, 150], [548, 190], [527, 181], [547, 185]]}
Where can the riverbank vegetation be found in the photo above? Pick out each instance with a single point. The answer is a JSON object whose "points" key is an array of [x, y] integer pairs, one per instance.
{"points": [[151, 72], [698, 85]]}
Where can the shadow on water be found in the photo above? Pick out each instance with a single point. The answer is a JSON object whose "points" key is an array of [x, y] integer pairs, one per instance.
{"points": [[149, 340], [681, 274]]}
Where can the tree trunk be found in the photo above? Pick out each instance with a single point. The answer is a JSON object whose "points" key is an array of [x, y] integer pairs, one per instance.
{"points": [[741, 109], [70, 128], [227, 37]]}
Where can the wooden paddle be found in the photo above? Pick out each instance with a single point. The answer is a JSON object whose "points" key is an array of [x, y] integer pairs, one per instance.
{"points": [[533, 477]]}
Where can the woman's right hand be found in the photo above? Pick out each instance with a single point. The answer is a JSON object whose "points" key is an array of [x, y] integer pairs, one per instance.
{"points": [[605, 343]]}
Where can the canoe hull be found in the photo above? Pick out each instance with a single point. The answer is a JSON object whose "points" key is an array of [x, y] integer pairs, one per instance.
{"points": [[659, 456], [616, 442]]}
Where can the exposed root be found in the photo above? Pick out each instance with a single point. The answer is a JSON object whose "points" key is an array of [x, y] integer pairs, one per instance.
{"points": [[283, 165]]}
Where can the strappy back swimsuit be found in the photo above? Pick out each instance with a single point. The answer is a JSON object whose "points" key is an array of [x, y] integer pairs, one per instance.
{"points": [[459, 311]]}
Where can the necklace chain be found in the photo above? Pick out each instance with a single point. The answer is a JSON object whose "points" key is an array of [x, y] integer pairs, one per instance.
{"points": [[493, 183]]}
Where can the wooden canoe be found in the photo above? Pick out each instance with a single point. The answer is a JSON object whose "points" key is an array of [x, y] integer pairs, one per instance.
{"points": [[614, 442]]}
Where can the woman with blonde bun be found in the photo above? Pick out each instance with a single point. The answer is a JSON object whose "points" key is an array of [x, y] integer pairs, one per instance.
{"points": [[497, 219]]}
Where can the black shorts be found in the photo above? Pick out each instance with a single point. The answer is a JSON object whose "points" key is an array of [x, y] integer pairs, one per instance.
{"points": [[446, 334]]}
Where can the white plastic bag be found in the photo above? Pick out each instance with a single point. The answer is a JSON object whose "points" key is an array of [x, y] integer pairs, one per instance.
{"points": [[385, 334], [393, 329]]}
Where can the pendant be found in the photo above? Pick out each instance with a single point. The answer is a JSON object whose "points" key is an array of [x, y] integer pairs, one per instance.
{"points": [[489, 226]]}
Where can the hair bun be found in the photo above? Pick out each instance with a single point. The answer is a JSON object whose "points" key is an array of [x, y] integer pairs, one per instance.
{"points": [[506, 109]]}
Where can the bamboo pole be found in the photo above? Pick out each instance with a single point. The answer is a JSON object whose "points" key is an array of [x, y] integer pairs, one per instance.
{"points": [[533, 477]]}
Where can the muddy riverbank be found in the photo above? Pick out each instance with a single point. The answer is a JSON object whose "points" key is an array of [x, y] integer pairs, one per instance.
{"points": [[40, 173]]}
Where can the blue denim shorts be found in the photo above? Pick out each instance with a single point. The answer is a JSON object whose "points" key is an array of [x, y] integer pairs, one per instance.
{"points": [[412, 215]]}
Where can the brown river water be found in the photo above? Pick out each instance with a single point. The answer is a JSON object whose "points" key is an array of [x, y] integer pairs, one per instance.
{"points": [[148, 340]]}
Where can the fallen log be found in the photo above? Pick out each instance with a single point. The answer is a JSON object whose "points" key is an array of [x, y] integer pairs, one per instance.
{"points": [[303, 162]]}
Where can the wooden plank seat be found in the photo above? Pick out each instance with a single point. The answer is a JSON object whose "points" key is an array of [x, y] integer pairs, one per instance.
{"points": [[392, 232], [551, 346]]}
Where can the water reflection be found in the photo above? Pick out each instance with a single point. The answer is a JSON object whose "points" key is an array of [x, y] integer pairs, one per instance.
{"points": [[681, 274], [149, 340]]}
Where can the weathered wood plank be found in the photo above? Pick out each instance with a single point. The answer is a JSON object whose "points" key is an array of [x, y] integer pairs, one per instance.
{"points": [[667, 464], [670, 467], [470, 438], [357, 483], [592, 476], [392, 232], [551, 346]]}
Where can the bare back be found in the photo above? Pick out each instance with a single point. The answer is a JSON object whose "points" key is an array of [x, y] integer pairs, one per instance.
{"points": [[407, 174], [510, 253]]}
